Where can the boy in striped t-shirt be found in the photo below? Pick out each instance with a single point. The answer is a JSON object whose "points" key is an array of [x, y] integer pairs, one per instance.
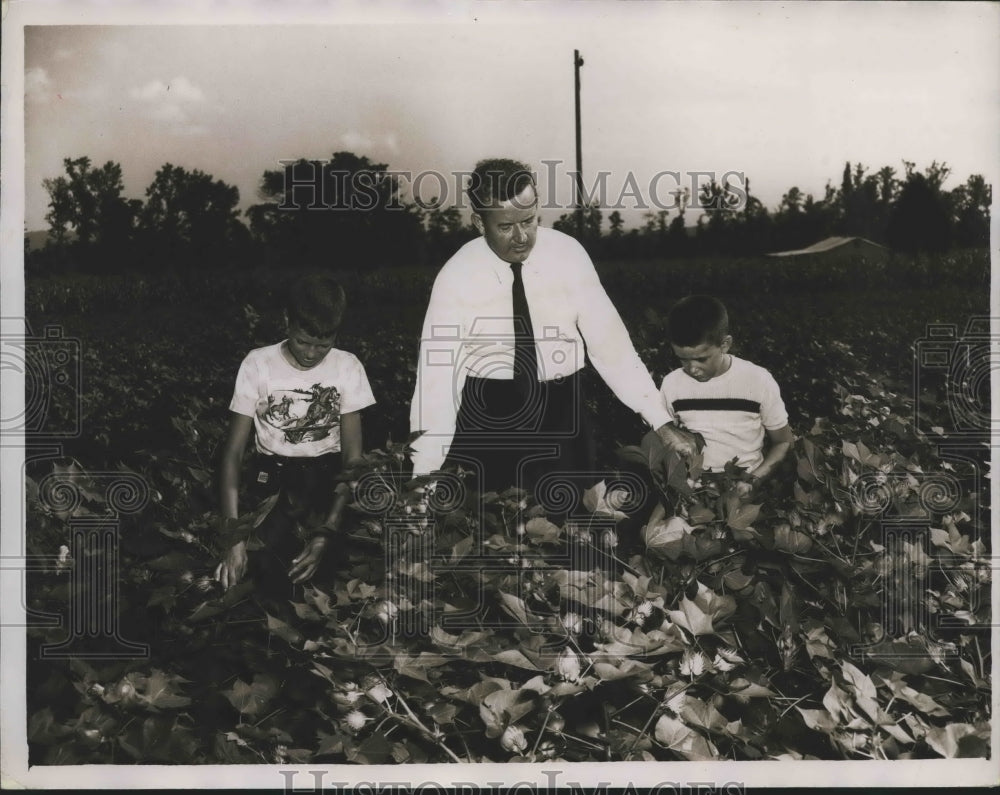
{"points": [[731, 402]]}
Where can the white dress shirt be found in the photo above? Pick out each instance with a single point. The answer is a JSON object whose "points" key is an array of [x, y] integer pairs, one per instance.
{"points": [[469, 330]]}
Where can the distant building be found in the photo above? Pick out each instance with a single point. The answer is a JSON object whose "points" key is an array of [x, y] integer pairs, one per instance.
{"points": [[841, 249]]}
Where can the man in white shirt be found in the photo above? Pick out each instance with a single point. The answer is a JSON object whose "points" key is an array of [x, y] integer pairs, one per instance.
{"points": [[467, 400]]}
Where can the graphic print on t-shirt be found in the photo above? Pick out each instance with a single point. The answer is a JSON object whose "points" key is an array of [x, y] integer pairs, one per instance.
{"points": [[303, 415]]}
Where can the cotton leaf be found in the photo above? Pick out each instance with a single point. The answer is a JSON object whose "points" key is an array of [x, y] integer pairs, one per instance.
{"points": [[680, 738], [862, 683], [514, 607], [442, 713], [736, 580], [903, 656], [284, 631], [952, 540], [666, 537], [740, 515], [628, 668], [860, 453], [702, 714], [593, 496], [250, 699], [959, 740], [921, 701], [693, 618], [598, 500], [743, 689], [818, 719], [818, 643], [838, 704], [788, 540], [699, 514], [516, 658], [159, 691], [502, 707], [461, 549], [864, 690], [319, 600]]}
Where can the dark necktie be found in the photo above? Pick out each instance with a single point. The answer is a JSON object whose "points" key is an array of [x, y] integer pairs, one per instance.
{"points": [[525, 362]]}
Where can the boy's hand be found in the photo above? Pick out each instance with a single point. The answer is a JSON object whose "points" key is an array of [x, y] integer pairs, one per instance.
{"points": [[680, 441], [231, 570], [744, 490], [305, 565]]}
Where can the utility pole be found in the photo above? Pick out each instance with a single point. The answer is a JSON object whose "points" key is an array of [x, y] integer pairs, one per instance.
{"points": [[577, 63]]}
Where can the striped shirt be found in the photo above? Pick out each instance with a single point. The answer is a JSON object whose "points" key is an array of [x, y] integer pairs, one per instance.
{"points": [[732, 411]]}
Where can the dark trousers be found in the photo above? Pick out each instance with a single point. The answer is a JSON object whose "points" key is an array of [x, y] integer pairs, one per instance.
{"points": [[305, 497], [509, 438]]}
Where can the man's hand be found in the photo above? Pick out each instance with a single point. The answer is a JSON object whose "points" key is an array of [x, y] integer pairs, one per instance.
{"points": [[682, 442], [231, 570], [305, 565]]}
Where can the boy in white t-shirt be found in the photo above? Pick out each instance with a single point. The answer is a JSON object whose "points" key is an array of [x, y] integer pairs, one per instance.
{"points": [[731, 402], [301, 400]]}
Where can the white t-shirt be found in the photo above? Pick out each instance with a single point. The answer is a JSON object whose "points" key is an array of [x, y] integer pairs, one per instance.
{"points": [[296, 413], [732, 411]]}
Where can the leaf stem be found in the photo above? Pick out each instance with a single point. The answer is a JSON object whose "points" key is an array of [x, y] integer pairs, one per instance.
{"points": [[419, 724], [649, 720], [789, 707], [541, 731]]}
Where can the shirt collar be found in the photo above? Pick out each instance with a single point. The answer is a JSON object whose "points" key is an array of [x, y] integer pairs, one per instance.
{"points": [[501, 268]]}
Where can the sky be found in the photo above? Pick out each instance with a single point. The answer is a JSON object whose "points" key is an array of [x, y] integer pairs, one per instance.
{"points": [[783, 93]]}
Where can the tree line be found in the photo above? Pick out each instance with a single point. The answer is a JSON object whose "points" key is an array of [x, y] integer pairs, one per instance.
{"points": [[350, 212], [910, 213]]}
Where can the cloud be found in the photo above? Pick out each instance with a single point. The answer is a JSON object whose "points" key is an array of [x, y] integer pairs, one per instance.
{"points": [[363, 143], [168, 112], [354, 141], [180, 89], [169, 103], [191, 130], [37, 85], [86, 94]]}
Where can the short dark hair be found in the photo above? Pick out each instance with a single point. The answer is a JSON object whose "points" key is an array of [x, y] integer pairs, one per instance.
{"points": [[315, 303], [697, 319], [498, 180]]}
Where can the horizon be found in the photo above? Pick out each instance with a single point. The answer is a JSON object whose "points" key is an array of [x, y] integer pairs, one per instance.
{"points": [[785, 95]]}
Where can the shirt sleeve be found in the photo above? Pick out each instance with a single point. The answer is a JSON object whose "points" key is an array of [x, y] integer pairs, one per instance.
{"points": [[666, 397], [610, 349], [357, 391], [247, 390], [773, 414], [440, 378]]}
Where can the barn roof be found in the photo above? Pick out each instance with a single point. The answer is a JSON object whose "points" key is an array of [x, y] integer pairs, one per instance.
{"points": [[828, 244]]}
